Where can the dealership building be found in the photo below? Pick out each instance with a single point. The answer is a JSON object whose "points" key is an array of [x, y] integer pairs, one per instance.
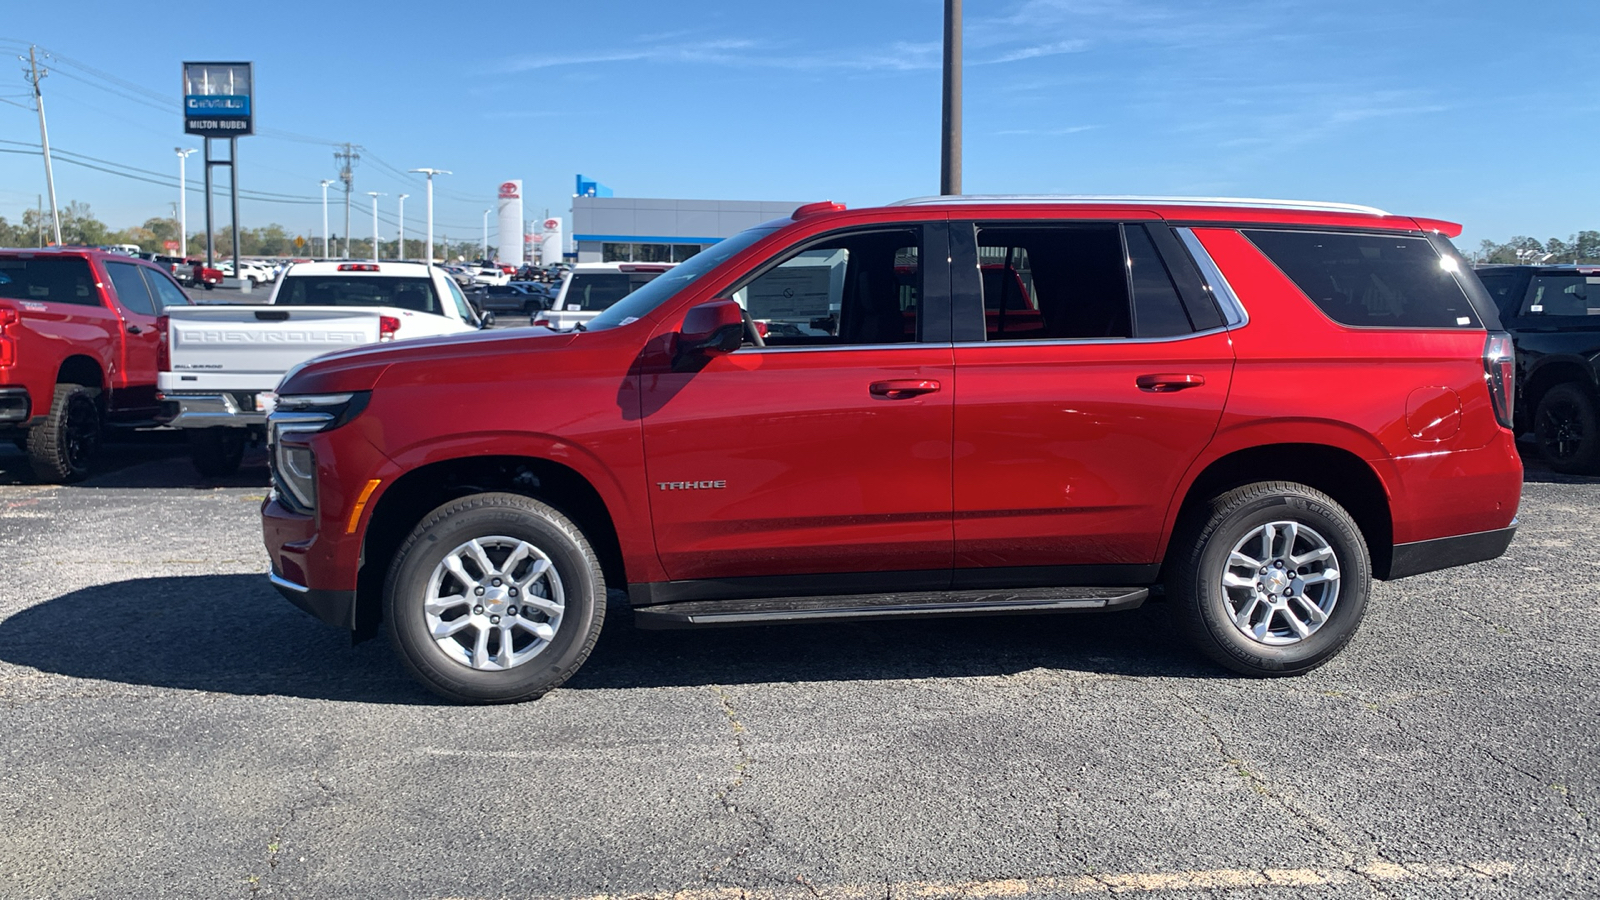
{"points": [[606, 228]]}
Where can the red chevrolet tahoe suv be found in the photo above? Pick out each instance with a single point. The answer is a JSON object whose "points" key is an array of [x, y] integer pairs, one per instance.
{"points": [[1252, 407], [79, 350]]}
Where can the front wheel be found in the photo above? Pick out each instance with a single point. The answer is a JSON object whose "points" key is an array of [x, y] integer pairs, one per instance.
{"points": [[1270, 579], [1565, 426], [494, 598]]}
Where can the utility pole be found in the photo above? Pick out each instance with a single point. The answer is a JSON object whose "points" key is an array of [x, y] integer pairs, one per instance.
{"points": [[950, 135], [325, 183], [183, 201], [375, 195], [347, 159], [486, 234], [34, 75], [430, 173], [402, 242]]}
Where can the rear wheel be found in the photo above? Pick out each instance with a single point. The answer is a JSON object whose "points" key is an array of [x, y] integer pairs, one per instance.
{"points": [[216, 451], [494, 598], [1270, 579], [1565, 426], [61, 447]]}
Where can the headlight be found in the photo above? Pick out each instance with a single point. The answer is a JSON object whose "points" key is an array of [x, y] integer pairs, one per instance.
{"points": [[294, 464]]}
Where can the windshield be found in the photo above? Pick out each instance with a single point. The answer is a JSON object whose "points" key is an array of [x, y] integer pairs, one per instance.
{"points": [[358, 290], [644, 300]]}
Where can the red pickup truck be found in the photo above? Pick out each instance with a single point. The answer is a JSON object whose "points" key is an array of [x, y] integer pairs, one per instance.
{"points": [[79, 350]]}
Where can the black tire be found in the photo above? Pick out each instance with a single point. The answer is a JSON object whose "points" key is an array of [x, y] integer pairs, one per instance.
{"points": [[61, 448], [216, 451], [1202, 608], [476, 517], [1567, 431], [210, 286]]}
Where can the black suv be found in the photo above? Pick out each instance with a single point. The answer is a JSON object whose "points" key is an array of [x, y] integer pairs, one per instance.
{"points": [[1553, 314]]}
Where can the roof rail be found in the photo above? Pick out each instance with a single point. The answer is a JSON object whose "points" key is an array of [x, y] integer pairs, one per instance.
{"points": [[1317, 205]]}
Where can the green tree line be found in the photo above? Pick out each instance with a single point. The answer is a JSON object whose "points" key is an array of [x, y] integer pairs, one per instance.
{"points": [[1583, 247], [80, 228]]}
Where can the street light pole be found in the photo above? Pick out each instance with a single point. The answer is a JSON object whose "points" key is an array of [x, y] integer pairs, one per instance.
{"points": [[375, 195], [402, 246], [183, 202], [430, 173], [325, 183], [486, 234], [950, 134]]}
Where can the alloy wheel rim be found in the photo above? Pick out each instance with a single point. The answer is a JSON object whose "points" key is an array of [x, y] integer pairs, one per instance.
{"points": [[82, 432], [1561, 430], [494, 603], [1281, 583]]}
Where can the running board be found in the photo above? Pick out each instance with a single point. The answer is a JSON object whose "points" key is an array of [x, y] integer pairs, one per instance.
{"points": [[858, 607]]}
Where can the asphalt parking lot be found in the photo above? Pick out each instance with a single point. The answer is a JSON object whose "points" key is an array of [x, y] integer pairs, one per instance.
{"points": [[173, 728]]}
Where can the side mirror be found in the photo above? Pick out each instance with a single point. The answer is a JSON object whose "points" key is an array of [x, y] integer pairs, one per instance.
{"points": [[486, 320], [714, 328]]}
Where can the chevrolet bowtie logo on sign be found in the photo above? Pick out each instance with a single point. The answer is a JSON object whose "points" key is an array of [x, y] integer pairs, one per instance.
{"points": [[691, 485]]}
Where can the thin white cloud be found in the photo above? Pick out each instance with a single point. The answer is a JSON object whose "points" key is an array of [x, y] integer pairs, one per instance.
{"points": [[900, 56], [1055, 48], [1073, 129]]}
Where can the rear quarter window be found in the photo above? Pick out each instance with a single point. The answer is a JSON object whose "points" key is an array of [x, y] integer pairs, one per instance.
{"points": [[59, 280], [1372, 280]]}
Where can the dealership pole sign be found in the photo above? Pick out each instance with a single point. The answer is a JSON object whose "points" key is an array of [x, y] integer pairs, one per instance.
{"points": [[217, 99]]}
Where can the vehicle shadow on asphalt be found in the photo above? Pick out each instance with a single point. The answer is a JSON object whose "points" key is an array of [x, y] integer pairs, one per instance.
{"points": [[155, 459], [232, 634]]}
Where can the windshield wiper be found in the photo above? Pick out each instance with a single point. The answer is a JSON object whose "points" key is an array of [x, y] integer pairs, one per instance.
{"points": [[580, 327]]}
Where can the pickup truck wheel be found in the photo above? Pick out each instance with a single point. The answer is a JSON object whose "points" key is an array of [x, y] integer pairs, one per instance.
{"points": [[1269, 579], [61, 447], [209, 286], [494, 598], [216, 451], [1566, 428]]}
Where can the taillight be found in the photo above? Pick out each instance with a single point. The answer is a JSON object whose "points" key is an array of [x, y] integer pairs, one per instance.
{"points": [[1499, 370], [358, 267], [541, 321], [8, 344], [387, 326], [163, 352]]}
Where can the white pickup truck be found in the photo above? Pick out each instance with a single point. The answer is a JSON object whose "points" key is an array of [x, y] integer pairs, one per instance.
{"points": [[222, 362], [591, 288]]}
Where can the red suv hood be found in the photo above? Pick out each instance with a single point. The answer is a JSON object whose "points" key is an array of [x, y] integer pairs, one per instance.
{"points": [[358, 369]]}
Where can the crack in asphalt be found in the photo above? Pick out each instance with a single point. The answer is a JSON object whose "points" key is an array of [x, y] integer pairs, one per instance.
{"points": [[1325, 830], [322, 797], [724, 795]]}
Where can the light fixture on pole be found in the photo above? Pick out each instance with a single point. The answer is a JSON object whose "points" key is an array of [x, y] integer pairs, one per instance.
{"points": [[430, 173], [402, 243], [183, 202], [375, 195], [325, 183]]}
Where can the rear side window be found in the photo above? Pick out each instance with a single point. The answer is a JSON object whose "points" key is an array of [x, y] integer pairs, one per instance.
{"points": [[1157, 310], [60, 280], [132, 292], [1506, 288], [354, 290], [1563, 295], [1371, 280], [167, 293], [1053, 282]]}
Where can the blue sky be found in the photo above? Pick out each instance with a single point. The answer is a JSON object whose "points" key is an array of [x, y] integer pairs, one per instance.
{"points": [[1479, 112]]}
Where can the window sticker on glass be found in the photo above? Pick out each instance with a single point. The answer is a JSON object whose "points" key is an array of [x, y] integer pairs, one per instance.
{"points": [[1537, 307], [1463, 320], [574, 307]]}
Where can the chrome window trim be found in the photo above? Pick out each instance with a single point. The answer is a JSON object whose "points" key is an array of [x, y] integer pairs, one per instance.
{"points": [[1234, 315], [959, 345], [1087, 199], [903, 345]]}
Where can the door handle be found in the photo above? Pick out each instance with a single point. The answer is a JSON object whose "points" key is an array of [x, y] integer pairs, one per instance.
{"points": [[134, 329], [1168, 383], [902, 390]]}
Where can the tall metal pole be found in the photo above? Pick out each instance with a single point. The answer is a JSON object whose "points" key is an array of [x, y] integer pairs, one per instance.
{"points": [[44, 141], [210, 230], [486, 234], [950, 136], [402, 243], [233, 187], [430, 173], [325, 183], [183, 201], [375, 195]]}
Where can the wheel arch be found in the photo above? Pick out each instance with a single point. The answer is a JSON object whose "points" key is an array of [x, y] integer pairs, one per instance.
{"points": [[406, 500], [80, 369], [1341, 474]]}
